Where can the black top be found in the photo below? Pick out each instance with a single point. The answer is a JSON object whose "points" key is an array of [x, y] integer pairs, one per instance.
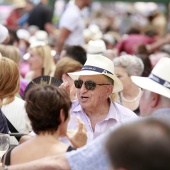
{"points": [[8, 155], [3, 123], [40, 15]]}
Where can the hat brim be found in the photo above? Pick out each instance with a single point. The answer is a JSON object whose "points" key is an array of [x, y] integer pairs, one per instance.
{"points": [[117, 83], [150, 85]]}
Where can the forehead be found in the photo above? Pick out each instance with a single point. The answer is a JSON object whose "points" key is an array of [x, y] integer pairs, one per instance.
{"points": [[98, 77]]}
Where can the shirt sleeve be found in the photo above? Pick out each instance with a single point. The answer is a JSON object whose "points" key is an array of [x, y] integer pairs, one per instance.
{"points": [[69, 20], [91, 156]]}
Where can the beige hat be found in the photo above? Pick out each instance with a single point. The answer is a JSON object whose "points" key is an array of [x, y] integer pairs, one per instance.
{"points": [[95, 47], [3, 33], [39, 37], [159, 79], [23, 34], [19, 3], [97, 65]]}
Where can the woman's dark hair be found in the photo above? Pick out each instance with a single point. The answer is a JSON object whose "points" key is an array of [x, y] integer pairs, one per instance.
{"points": [[43, 106]]}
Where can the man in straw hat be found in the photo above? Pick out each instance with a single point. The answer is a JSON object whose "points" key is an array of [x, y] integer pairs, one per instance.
{"points": [[94, 83], [155, 99]]}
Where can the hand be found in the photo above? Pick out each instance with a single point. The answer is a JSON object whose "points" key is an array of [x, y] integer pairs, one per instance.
{"points": [[80, 138]]}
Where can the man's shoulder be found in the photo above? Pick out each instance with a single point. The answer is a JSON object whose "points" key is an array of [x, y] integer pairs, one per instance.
{"points": [[123, 111]]}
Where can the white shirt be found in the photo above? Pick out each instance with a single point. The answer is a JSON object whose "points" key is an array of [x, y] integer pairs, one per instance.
{"points": [[16, 114], [73, 21]]}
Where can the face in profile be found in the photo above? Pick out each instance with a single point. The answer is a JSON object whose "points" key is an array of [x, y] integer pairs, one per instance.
{"points": [[35, 61]]}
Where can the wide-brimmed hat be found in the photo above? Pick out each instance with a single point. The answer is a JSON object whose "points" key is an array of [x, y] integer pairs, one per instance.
{"points": [[159, 79], [97, 65]]}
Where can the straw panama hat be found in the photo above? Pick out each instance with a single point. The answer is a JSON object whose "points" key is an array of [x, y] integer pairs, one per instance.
{"points": [[97, 65], [95, 47], [159, 79]]}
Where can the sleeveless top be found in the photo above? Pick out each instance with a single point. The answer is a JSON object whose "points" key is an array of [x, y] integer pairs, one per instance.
{"points": [[8, 155]]}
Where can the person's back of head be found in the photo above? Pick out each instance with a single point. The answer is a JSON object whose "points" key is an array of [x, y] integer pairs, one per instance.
{"points": [[9, 79], [44, 106], [11, 52], [77, 53], [142, 145]]}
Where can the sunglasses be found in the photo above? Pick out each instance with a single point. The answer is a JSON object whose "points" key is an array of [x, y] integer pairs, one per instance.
{"points": [[90, 85]]}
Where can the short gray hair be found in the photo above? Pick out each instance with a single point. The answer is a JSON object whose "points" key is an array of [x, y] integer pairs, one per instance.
{"points": [[132, 64]]}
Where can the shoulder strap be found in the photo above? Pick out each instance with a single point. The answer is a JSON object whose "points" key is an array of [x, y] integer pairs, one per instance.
{"points": [[8, 157], [12, 128]]}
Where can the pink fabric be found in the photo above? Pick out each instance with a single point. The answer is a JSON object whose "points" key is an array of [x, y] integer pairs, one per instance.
{"points": [[130, 43]]}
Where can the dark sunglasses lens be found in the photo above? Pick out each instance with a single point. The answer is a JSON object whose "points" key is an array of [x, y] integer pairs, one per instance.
{"points": [[90, 85], [78, 83]]}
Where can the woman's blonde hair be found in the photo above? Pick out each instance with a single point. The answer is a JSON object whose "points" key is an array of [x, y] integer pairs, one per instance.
{"points": [[10, 52], [44, 51], [9, 80]]}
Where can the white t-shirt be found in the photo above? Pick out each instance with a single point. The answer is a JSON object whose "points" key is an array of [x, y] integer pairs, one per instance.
{"points": [[16, 114], [73, 21]]}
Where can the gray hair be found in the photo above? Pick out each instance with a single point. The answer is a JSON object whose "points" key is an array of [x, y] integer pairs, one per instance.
{"points": [[131, 63]]}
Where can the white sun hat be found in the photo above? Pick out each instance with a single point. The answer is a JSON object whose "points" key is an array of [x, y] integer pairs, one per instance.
{"points": [[159, 79], [23, 34], [95, 47], [97, 65], [3, 33]]}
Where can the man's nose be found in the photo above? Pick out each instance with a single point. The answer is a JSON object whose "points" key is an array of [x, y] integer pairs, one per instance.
{"points": [[83, 88]]}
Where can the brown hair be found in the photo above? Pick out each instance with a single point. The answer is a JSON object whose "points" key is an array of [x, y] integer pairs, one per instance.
{"points": [[9, 79], [43, 106], [66, 65]]}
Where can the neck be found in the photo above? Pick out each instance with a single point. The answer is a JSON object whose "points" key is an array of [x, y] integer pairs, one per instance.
{"points": [[79, 4], [131, 97], [37, 73], [50, 137], [98, 114]]}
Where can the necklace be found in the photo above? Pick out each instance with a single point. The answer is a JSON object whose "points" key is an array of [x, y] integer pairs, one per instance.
{"points": [[132, 100]]}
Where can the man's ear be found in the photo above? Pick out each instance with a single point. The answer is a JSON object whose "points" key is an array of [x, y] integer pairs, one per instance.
{"points": [[109, 90], [62, 116], [154, 99]]}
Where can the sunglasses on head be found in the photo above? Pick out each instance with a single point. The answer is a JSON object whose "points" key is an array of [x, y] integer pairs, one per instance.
{"points": [[90, 85]]}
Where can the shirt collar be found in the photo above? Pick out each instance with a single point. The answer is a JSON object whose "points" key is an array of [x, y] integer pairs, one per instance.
{"points": [[112, 114]]}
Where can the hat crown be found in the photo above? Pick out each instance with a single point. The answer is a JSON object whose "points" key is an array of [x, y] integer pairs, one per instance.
{"points": [[162, 69], [96, 46], [102, 62]]}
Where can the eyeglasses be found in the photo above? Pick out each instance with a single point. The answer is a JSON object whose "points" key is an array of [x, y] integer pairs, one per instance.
{"points": [[90, 85]]}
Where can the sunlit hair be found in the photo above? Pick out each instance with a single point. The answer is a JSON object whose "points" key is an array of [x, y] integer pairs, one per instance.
{"points": [[132, 64], [9, 80], [66, 65], [10, 52], [44, 51], [43, 106]]}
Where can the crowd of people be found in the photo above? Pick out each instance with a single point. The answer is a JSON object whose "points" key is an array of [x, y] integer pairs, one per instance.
{"points": [[116, 85]]}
